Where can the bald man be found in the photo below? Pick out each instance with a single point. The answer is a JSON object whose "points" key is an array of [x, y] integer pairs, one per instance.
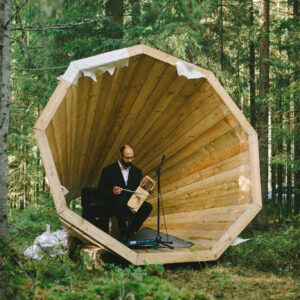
{"points": [[116, 177]]}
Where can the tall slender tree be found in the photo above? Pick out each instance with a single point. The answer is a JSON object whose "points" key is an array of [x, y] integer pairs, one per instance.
{"points": [[5, 27], [264, 23], [252, 68], [297, 116]]}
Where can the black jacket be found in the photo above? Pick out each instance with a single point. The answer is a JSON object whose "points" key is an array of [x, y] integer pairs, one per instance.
{"points": [[112, 176]]}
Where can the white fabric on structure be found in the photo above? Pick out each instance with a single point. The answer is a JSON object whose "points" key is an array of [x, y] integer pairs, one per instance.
{"points": [[97, 64], [188, 70]]}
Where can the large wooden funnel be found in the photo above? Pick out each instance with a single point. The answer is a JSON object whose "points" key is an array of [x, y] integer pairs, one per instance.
{"points": [[159, 105]]}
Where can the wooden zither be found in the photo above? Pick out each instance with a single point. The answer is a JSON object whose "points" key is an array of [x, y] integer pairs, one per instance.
{"points": [[159, 104], [141, 193]]}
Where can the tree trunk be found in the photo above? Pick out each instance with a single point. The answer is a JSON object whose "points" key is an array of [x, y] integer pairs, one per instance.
{"points": [[221, 38], [252, 71], [114, 9], [263, 93], [5, 21], [296, 120], [136, 11]]}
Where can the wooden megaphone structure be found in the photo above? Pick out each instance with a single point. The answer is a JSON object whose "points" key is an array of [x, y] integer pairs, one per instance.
{"points": [[158, 104]]}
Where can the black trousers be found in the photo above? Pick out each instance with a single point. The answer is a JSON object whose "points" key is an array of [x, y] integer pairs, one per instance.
{"points": [[121, 210]]}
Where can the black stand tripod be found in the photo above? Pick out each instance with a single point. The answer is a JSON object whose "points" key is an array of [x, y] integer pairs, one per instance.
{"points": [[158, 241]]}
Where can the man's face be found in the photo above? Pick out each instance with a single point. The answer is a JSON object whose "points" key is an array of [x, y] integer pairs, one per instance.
{"points": [[127, 157]]}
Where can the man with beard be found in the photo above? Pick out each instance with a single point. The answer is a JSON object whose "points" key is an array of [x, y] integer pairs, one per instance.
{"points": [[116, 177]]}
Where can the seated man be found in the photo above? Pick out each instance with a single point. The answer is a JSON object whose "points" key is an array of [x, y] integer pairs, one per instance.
{"points": [[114, 178]]}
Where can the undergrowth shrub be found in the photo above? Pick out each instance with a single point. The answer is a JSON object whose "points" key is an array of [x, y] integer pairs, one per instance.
{"points": [[272, 251]]}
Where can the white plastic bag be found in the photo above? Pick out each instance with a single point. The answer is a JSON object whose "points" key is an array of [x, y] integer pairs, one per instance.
{"points": [[51, 244]]}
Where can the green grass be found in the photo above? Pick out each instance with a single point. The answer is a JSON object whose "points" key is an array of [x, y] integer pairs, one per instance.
{"points": [[266, 267]]}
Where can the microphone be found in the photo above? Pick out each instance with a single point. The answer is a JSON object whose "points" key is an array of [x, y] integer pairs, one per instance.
{"points": [[162, 162]]}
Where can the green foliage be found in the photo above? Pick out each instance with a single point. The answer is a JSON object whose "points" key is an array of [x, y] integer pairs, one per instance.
{"points": [[79, 278], [272, 251]]}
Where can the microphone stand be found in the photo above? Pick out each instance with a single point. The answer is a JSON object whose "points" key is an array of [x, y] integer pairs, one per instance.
{"points": [[158, 240]]}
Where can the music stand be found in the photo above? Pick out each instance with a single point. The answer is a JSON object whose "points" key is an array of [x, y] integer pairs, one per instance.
{"points": [[158, 240]]}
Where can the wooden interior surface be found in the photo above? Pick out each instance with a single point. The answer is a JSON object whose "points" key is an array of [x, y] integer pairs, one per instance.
{"points": [[208, 175]]}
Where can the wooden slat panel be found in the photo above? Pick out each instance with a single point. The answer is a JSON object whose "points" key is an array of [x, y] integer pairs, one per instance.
{"points": [[185, 130], [124, 105], [106, 102], [153, 78], [51, 107], [51, 170], [53, 147], [154, 102], [178, 110], [192, 195], [230, 213], [69, 116], [193, 170], [59, 122], [202, 143], [197, 151], [92, 103], [203, 171], [74, 107], [84, 84]]}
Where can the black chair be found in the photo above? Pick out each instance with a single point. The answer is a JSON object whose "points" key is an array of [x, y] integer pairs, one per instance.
{"points": [[93, 208]]}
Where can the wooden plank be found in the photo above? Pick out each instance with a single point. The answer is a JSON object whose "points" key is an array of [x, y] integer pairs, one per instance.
{"points": [[92, 102], [235, 229], [51, 107], [168, 58], [220, 185], [119, 117], [231, 105], [69, 116], [98, 235], [255, 170], [179, 139], [74, 109], [211, 215], [50, 133], [159, 109], [173, 256], [197, 150], [153, 78], [178, 109], [79, 234], [83, 88], [51, 171], [205, 170], [105, 102], [184, 130], [60, 133], [206, 166], [154, 102], [111, 105]]}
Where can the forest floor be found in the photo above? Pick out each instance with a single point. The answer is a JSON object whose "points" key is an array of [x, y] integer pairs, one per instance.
{"points": [[266, 267], [221, 282]]}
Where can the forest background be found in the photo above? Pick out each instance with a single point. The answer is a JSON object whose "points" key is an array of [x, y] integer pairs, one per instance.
{"points": [[251, 46]]}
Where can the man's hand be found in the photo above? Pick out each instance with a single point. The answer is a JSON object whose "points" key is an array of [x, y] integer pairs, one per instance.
{"points": [[117, 190]]}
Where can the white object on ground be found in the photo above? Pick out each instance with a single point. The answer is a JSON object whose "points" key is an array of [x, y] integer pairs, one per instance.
{"points": [[52, 244], [238, 241]]}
